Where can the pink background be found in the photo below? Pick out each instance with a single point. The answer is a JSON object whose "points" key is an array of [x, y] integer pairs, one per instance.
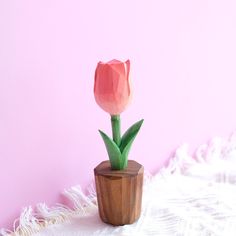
{"points": [[183, 57]]}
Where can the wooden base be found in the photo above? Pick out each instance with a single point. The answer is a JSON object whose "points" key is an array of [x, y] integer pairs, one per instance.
{"points": [[119, 192]]}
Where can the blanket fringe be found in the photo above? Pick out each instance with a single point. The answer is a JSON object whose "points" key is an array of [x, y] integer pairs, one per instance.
{"points": [[182, 162], [31, 222], [82, 203], [53, 215], [27, 224]]}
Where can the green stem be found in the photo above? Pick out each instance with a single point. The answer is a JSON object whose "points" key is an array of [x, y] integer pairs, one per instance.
{"points": [[115, 123]]}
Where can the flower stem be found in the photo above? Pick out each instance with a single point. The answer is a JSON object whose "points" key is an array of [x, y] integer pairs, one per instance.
{"points": [[115, 123]]}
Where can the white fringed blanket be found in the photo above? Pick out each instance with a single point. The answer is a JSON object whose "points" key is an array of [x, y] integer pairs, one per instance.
{"points": [[193, 196]]}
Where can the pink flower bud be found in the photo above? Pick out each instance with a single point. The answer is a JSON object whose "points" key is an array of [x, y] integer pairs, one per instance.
{"points": [[112, 87]]}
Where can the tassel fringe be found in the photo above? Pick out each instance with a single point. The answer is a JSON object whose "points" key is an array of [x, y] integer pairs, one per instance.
{"points": [[219, 154]]}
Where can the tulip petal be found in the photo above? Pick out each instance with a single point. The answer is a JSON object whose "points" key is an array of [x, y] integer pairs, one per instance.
{"points": [[119, 68], [127, 63], [111, 87], [114, 61]]}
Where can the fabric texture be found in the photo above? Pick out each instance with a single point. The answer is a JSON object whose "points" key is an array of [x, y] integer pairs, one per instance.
{"points": [[191, 196]]}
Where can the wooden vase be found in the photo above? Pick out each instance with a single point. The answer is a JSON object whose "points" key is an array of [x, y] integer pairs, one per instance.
{"points": [[119, 192]]}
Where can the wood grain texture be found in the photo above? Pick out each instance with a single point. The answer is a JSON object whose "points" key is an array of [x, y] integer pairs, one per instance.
{"points": [[119, 192]]}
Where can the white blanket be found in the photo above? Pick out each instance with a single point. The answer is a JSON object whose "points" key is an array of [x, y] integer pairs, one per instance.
{"points": [[192, 196]]}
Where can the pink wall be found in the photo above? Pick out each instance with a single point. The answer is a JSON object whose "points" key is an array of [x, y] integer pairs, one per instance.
{"points": [[183, 56]]}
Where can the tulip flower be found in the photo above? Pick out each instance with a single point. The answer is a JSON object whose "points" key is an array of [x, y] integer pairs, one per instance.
{"points": [[112, 93], [112, 87]]}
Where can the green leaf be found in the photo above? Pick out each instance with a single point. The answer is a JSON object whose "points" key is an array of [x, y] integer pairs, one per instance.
{"points": [[113, 151], [125, 154], [127, 140], [130, 134]]}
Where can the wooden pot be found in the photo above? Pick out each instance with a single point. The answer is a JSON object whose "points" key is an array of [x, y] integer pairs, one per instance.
{"points": [[119, 192]]}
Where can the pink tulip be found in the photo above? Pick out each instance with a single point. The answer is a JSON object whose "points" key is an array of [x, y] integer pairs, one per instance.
{"points": [[112, 87]]}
